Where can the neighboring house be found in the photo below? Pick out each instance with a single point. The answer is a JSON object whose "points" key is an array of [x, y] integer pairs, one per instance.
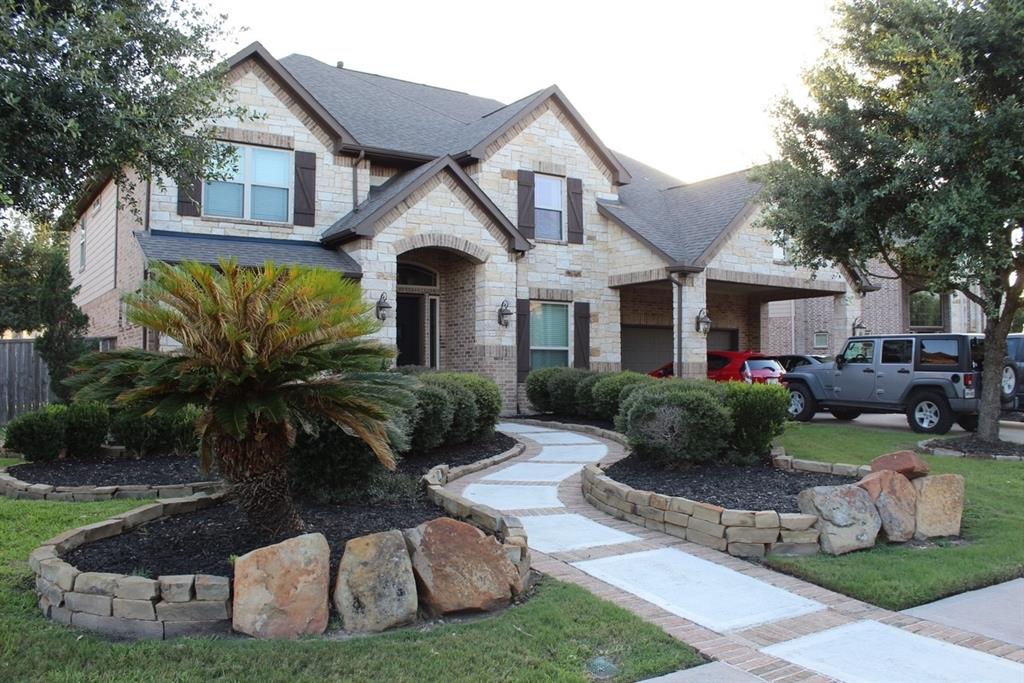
{"points": [[492, 238]]}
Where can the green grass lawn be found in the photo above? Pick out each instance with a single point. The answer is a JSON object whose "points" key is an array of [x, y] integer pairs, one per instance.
{"points": [[898, 576], [4, 462], [550, 638]]}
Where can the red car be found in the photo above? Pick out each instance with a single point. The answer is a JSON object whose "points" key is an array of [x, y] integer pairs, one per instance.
{"points": [[736, 366]]}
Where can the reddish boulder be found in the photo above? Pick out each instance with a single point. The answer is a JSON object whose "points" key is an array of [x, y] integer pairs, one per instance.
{"points": [[459, 568], [940, 505], [907, 463], [281, 590], [895, 498]]}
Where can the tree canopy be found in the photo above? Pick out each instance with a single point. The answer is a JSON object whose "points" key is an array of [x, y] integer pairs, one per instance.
{"points": [[910, 153], [90, 88]]}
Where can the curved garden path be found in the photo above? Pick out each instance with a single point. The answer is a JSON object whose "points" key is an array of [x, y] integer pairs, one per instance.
{"points": [[759, 624]]}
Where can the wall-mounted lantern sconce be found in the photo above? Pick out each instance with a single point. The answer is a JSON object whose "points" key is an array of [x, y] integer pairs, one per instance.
{"points": [[859, 327], [504, 313], [383, 307], [703, 322]]}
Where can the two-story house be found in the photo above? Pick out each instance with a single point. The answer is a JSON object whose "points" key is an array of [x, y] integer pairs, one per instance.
{"points": [[488, 237]]}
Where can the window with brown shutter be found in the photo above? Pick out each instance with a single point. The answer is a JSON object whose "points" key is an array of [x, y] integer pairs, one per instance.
{"points": [[305, 188], [574, 194], [522, 339], [581, 334], [190, 194], [526, 204]]}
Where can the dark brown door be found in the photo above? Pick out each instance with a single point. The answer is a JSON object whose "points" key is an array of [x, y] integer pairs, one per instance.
{"points": [[409, 323]]}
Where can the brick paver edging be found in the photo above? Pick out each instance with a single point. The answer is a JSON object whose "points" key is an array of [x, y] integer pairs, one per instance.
{"points": [[12, 487], [508, 529], [128, 606]]}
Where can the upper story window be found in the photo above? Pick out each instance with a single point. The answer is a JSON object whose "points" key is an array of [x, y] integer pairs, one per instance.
{"points": [[81, 247], [925, 311], [548, 207], [256, 186]]}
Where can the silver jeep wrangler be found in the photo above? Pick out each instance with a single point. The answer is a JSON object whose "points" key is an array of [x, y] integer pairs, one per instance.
{"points": [[932, 378]]}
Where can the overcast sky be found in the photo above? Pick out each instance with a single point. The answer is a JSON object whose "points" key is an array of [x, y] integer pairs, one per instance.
{"points": [[683, 86]]}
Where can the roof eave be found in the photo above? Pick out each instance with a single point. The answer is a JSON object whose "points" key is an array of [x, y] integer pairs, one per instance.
{"points": [[620, 175], [738, 220], [610, 215]]}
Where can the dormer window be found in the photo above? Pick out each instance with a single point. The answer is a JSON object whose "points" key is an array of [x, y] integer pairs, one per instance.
{"points": [[256, 186], [548, 207]]}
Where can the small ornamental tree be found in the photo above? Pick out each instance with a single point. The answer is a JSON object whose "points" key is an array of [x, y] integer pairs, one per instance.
{"points": [[911, 153], [264, 351]]}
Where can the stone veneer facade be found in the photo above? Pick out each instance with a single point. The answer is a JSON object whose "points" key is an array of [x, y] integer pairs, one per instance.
{"points": [[623, 279]]}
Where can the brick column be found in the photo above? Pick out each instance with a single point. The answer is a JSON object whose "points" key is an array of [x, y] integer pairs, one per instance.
{"points": [[695, 345]]}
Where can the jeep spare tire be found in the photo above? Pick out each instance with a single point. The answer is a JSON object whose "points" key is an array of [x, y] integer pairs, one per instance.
{"points": [[1008, 381]]}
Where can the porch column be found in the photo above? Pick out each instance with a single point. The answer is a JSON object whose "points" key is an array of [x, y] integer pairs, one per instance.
{"points": [[846, 308], [689, 346]]}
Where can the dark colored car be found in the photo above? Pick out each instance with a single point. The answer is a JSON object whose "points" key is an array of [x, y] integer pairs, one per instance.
{"points": [[792, 361]]}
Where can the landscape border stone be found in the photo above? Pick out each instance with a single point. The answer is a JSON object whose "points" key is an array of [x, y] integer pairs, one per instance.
{"points": [[12, 487], [927, 446]]}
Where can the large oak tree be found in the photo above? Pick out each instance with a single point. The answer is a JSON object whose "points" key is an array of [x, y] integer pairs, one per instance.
{"points": [[910, 152]]}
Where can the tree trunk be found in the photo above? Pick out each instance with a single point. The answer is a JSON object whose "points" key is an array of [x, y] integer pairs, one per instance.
{"points": [[990, 409], [256, 471]]}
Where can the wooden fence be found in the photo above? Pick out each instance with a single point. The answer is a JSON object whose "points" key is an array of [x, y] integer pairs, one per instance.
{"points": [[24, 379]]}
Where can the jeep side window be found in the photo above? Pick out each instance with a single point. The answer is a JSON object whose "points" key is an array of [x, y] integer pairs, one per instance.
{"points": [[942, 352], [860, 352], [897, 351]]}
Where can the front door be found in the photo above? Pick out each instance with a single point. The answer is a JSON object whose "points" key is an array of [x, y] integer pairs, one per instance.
{"points": [[855, 381], [409, 324], [893, 372]]}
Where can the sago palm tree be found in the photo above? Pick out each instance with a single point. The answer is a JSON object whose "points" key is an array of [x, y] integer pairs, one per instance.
{"points": [[263, 350]]}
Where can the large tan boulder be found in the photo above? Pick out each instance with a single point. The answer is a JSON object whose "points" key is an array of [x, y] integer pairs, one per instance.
{"points": [[375, 589], [847, 519], [940, 505], [281, 590], [907, 463], [895, 498], [459, 568]]}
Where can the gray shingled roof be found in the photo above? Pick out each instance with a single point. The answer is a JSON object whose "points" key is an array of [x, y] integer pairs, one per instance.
{"points": [[175, 247], [393, 114], [680, 220]]}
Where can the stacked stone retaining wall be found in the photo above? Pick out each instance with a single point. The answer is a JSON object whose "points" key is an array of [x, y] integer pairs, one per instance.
{"points": [[12, 487]]}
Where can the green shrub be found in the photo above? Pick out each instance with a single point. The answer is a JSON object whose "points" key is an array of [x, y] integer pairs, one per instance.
{"points": [[328, 464], [537, 392], [411, 369], [607, 389], [675, 423], [161, 434], [488, 400], [465, 420], [38, 435], [759, 414], [432, 417], [585, 395], [87, 426], [562, 389]]}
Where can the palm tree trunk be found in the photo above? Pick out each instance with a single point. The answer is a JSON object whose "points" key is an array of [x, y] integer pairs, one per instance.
{"points": [[257, 475]]}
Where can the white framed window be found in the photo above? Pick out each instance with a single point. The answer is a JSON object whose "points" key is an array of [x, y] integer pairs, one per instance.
{"points": [[780, 252], [549, 194], [821, 340], [257, 186], [549, 335], [81, 247]]}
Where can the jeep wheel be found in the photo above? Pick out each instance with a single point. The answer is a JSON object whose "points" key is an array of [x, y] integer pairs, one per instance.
{"points": [[802, 405], [969, 423], [929, 413], [1008, 381], [845, 414]]}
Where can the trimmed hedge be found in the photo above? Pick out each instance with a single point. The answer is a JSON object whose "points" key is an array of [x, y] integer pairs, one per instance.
{"points": [[607, 389], [537, 391], [87, 425], [585, 394], [432, 417], [759, 414], [38, 435], [464, 421], [142, 435], [486, 394], [329, 464], [677, 423]]}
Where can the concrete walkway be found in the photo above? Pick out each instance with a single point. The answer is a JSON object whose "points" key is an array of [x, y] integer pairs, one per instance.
{"points": [[760, 625]]}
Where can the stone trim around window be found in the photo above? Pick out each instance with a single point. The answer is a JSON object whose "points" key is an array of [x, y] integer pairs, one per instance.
{"points": [[255, 137]]}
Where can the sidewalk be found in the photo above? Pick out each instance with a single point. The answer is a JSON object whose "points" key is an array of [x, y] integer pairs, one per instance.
{"points": [[762, 624]]}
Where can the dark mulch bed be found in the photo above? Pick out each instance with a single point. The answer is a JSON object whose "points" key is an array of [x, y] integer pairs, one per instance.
{"points": [[203, 542], [111, 471], [972, 445], [420, 463], [761, 487], [572, 419]]}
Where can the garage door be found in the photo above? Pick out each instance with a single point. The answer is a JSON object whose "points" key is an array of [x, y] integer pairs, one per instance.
{"points": [[646, 348]]}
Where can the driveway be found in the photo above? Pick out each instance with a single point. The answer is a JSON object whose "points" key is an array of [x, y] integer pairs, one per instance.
{"points": [[1008, 431]]}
